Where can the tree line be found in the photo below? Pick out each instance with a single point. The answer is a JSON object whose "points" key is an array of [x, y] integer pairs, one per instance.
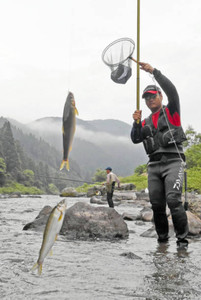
{"points": [[35, 164]]}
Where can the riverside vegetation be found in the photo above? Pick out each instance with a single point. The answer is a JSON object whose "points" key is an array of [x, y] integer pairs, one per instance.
{"points": [[25, 175]]}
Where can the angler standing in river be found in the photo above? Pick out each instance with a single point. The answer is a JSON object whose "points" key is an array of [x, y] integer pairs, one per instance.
{"points": [[162, 136], [110, 184]]}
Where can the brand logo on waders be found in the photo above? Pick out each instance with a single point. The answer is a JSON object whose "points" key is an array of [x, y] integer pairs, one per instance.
{"points": [[178, 183]]}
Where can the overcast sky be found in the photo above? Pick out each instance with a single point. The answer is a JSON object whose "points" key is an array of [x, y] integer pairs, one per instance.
{"points": [[51, 46]]}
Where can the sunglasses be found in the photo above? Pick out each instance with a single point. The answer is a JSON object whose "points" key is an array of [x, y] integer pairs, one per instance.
{"points": [[150, 96]]}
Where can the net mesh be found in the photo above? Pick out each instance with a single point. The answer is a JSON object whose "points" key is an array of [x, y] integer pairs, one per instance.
{"points": [[116, 56]]}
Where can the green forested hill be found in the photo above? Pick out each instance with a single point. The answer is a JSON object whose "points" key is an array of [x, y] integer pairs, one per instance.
{"points": [[30, 161]]}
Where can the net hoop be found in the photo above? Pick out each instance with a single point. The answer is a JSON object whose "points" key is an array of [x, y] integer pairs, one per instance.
{"points": [[114, 49]]}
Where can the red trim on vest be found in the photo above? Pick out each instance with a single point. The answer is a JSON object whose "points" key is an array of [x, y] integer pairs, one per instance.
{"points": [[174, 119], [143, 123]]}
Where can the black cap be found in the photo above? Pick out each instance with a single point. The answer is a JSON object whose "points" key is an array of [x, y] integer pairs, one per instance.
{"points": [[109, 168], [151, 89]]}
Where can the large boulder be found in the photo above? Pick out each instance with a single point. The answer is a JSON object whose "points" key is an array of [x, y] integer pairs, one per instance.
{"points": [[85, 221]]}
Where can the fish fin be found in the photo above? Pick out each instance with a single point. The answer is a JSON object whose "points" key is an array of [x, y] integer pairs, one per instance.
{"points": [[60, 217], [34, 267], [64, 163], [37, 266], [76, 111], [62, 129], [39, 269], [67, 165]]}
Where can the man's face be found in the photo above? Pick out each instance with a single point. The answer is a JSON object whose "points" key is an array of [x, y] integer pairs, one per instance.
{"points": [[154, 101]]}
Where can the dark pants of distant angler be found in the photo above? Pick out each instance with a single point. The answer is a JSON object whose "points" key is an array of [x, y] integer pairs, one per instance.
{"points": [[110, 195]]}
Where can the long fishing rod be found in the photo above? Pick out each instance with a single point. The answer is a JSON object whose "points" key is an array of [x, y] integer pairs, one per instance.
{"points": [[76, 180], [138, 54]]}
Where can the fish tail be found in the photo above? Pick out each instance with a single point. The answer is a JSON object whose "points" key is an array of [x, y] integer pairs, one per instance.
{"points": [[39, 269], [76, 111], [65, 163], [62, 165], [37, 266]]}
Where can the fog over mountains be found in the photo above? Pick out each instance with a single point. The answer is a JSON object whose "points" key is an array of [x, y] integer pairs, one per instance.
{"points": [[96, 144]]}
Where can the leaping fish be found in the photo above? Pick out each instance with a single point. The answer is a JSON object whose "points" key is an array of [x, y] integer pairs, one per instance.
{"points": [[52, 229], [68, 128]]}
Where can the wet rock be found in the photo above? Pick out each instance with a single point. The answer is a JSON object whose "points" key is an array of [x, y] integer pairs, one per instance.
{"points": [[146, 214], [118, 196], [139, 223], [85, 221], [127, 186], [97, 200], [130, 255], [40, 221], [150, 233], [128, 195], [100, 190], [194, 223], [15, 195], [129, 217], [96, 190], [46, 210], [69, 192], [142, 195]]}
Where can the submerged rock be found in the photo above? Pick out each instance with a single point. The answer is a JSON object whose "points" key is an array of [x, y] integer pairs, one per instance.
{"points": [[130, 255]]}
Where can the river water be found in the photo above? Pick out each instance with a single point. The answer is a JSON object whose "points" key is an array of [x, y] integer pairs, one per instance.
{"points": [[92, 269]]}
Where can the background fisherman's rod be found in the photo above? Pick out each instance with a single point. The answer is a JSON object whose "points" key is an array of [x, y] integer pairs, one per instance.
{"points": [[90, 182]]}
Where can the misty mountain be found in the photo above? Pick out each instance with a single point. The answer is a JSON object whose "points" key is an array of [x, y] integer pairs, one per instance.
{"points": [[40, 151], [96, 144]]}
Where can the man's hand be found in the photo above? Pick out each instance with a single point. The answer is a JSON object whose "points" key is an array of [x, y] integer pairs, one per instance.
{"points": [[146, 67], [137, 115]]}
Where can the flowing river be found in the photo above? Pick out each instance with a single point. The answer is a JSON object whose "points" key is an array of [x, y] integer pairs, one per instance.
{"points": [[92, 269]]}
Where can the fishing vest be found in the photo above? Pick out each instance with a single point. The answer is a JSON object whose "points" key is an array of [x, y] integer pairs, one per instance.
{"points": [[165, 133]]}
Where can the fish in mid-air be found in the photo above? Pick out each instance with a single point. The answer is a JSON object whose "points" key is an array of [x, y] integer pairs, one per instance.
{"points": [[52, 229], [68, 128]]}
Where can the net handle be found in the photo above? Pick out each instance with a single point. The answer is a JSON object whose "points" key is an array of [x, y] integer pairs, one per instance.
{"points": [[137, 62]]}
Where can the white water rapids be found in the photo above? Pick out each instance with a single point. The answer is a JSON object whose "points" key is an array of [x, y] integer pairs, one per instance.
{"points": [[91, 270]]}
